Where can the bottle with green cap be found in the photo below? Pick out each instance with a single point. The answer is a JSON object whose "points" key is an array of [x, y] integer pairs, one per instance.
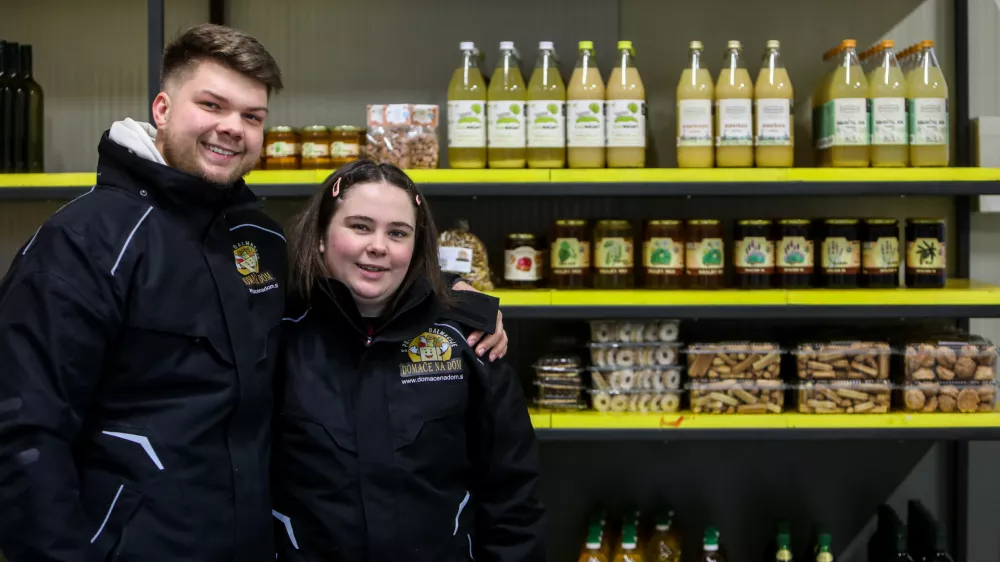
{"points": [[592, 551], [710, 550], [585, 135], [824, 548], [901, 555], [626, 112], [629, 551], [784, 548], [665, 542], [940, 546]]}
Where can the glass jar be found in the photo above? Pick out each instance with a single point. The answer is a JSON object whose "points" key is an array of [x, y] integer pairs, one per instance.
{"points": [[794, 254], [663, 254], [523, 261], [841, 253], [926, 267], [753, 253], [880, 254], [704, 259], [345, 145], [569, 254], [281, 147], [315, 148], [614, 259]]}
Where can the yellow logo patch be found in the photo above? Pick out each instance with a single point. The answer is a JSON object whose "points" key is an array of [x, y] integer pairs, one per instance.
{"points": [[430, 353], [248, 264]]}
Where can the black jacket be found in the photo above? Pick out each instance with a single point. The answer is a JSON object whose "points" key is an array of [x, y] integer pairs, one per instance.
{"points": [[138, 336], [393, 441]]}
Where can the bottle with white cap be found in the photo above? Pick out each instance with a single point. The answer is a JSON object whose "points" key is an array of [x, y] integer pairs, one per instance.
{"points": [[546, 111], [774, 129], [695, 94], [467, 112], [506, 97], [734, 111]]}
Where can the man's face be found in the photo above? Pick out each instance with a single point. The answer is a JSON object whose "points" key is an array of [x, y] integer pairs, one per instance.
{"points": [[210, 122]]}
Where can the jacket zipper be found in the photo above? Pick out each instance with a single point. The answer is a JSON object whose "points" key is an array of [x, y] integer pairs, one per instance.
{"points": [[370, 334]]}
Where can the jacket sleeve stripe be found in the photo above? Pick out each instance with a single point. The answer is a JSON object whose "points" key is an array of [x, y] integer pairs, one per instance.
{"points": [[32, 241], [299, 319], [461, 336], [288, 527], [129, 240], [278, 234], [108, 515], [142, 442], [461, 508]]}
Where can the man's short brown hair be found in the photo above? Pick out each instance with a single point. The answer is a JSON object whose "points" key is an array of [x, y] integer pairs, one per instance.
{"points": [[225, 45]]}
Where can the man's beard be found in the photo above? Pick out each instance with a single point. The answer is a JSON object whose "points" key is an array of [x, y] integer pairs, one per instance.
{"points": [[188, 162]]}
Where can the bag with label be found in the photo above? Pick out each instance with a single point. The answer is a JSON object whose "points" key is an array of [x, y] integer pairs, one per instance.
{"points": [[422, 148], [376, 147], [463, 253]]}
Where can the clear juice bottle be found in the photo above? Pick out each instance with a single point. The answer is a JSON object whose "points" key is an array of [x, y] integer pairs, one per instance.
{"points": [[774, 122], [734, 111], [626, 112], [928, 110], [592, 551], [695, 129], [784, 546], [546, 111], [629, 550], [585, 127], [665, 542], [506, 98], [467, 112], [887, 92], [710, 551], [847, 111], [824, 548], [821, 138]]}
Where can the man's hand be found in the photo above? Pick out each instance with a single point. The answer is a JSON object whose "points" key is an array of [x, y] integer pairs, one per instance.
{"points": [[496, 344]]}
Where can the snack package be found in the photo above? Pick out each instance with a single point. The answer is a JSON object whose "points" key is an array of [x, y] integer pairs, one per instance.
{"points": [[734, 360], [641, 379], [949, 398], [634, 331], [844, 397], [422, 147], [559, 382], [953, 357], [397, 131], [628, 355], [764, 396], [376, 145], [461, 252], [856, 360], [636, 402]]}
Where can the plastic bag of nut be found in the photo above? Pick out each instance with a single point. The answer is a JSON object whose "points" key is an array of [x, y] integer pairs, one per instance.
{"points": [[636, 402], [398, 122], [844, 360], [733, 396], [734, 360], [648, 378], [953, 358], [422, 147], [377, 146], [844, 397], [461, 252], [628, 355], [634, 331], [963, 397]]}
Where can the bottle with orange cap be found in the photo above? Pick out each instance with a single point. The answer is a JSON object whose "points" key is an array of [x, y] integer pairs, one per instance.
{"points": [[846, 111], [928, 110], [819, 101], [887, 92]]}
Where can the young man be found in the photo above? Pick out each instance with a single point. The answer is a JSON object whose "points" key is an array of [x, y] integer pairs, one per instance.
{"points": [[138, 332]]}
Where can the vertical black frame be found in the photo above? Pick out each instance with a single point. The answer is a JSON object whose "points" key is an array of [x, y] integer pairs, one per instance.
{"points": [[154, 49]]}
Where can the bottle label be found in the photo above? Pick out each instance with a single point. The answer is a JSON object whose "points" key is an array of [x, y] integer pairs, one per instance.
{"points": [[522, 264], [506, 124], [888, 121], [626, 123], [694, 118], [546, 124], [841, 255], [585, 127], [735, 122], [928, 121], [881, 256], [569, 256], [315, 150], [795, 255], [754, 254], [663, 256], [705, 257], [282, 149], [848, 125], [455, 259], [925, 255], [340, 149], [466, 124], [614, 256], [774, 122]]}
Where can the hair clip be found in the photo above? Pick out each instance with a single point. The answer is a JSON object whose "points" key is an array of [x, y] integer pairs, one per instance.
{"points": [[336, 187], [418, 200]]}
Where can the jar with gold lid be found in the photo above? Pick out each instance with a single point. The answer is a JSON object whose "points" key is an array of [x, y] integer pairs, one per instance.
{"points": [[523, 261], [345, 144], [663, 254], [315, 147], [926, 266], [705, 263], [753, 253], [569, 254], [281, 148], [614, 259]]}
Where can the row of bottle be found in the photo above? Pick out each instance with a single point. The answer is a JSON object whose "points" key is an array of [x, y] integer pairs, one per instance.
{"points": [[548, 124], [21, 112], [663, 544], [881, 114]]}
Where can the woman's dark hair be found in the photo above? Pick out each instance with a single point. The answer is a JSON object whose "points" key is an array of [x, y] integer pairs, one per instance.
{"points": [[310, 226]]}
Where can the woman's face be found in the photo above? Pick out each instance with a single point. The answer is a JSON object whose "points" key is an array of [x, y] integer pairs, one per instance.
{"points": [[369, 243]]}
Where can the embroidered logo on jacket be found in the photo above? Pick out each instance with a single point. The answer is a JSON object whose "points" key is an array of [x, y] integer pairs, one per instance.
{"points": [[248, 264], [430, 353]]}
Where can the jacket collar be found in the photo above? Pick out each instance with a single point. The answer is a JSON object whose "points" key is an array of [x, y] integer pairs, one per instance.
{"points": [[417, 304]]}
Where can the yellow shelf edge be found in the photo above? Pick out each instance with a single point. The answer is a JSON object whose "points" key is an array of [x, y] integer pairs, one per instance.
{"points": [[75, 179], [654, 175], [479, 176], [891, 174], [790, 420]]}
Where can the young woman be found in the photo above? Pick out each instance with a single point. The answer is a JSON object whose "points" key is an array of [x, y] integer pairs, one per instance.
{"points": [[393, 440]]}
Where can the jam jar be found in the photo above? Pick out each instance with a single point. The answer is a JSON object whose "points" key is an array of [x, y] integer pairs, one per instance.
{"points": [[880, 253], [345, 145], [569, 254], [281, 148], [663, 254], [753, 253], [926, 267], [523, 261], [704, 259], [315, 147], [794, 254], [840, 248], [614, 258]]}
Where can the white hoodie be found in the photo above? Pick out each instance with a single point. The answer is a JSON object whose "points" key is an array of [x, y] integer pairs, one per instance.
{"points": [[138, 137]]}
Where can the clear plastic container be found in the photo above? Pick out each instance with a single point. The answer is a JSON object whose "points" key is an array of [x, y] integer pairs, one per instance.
{"points": [[732, 396], [628, 355], [734, 360], [637, 402], [844, 397], [959, 358], [643, 378], [559, 381], [965, 398], [857, 360], [634, 331]]}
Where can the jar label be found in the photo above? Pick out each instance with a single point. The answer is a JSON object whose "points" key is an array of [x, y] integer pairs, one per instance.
{"points": [[569, 256], [774, 122], [282, 149], [626, 121], [755, 255], [841, 255], [455, 259], [614, 256], [888, 121], [925, 255], [694, 123], [341, 149], [467, 124], [522, 264], [881, 256], [506, 124], [315, 150], [928, 121], [705, 257], [735, 122], [585, 123], [795, 255], [546, 124], [663, 256]]}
